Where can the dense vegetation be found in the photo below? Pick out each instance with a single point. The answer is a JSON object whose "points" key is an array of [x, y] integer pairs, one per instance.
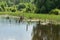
{"points": [[46, 6], [16, 5], [37, 6]]}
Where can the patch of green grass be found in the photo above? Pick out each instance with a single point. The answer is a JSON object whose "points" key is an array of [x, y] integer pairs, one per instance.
{"points": [[33, 15]]}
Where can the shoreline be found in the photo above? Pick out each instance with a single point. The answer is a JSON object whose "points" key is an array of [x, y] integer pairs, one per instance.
{"points": [[43, 22], [26, 19], [32, 15]]}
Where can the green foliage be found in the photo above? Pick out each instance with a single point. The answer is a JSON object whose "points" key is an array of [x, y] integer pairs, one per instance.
{"points": [[28, 10], [17, 2], [42, 10], [26, 7], [30, 7], [20, 7], [48, 5], [2, 6], [55, 11], [37, 6], [13, 10], [0, 10]]}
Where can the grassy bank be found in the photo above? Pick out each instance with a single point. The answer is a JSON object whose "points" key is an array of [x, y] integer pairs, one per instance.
{"points": [[33, 15]]}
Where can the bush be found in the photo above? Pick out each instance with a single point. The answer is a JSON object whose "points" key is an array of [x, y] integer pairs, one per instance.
{"points": [[28, 10], [20, 7], [2, 6], [0, 9], [30, 7], [13, 10], [55, 11]]}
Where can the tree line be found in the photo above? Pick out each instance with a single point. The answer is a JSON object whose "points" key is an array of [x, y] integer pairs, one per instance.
{"points": [[39, 6], [45, 6]]}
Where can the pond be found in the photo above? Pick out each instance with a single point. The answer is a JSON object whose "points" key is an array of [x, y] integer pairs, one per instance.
{"points": [[12, 30]]}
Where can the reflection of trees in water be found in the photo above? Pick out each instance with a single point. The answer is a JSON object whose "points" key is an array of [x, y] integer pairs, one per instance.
{"points": [[46, 32], [20, 19], [28, 23]]}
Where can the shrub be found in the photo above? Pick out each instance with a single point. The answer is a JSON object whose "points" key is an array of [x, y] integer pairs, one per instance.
{"points": [[2, 6], [20, 7], [0, 9], [13, 10], [55, 11], [30, 7], [28, 10], [26, 7]]}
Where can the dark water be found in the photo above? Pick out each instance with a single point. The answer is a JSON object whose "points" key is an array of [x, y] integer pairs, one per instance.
{"points": [[49, 31], [12, 30]]}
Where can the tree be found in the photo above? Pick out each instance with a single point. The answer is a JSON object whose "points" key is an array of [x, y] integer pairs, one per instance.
{"points": [[48, 4], [39, 4]]}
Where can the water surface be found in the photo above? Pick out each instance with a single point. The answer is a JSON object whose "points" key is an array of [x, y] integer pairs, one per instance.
{"points": [[10, 30]]}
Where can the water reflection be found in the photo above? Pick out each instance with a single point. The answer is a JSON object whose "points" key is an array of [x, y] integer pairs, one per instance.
{"points": [[20, 20], [49, 31], [12, 30]]}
